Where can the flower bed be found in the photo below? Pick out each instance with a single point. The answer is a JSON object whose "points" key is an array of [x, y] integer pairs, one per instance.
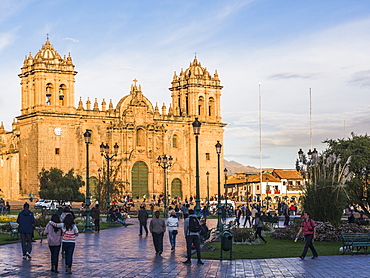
{"points": [[324, 231]]}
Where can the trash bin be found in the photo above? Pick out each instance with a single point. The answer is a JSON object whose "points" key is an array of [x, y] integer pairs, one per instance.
{"points": [[226, 241]]}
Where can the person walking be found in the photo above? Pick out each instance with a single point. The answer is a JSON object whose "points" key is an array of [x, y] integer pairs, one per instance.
{"points": [[70, 231], [258, 224], [172, 223], [54, 235], [286, 215], [238, 214], [192, 234], [95, 214], [254, 212], [25, 220], [308, 227], [143, 218], [247, 217], [157, 227]]}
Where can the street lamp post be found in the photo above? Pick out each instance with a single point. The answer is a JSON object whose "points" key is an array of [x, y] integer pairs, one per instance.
{"points": [[219, 212], [165, 162], [196, 129], [225, 173], [104, 151], [207, 174], [303, 163], [88, 229], [267, 193]]}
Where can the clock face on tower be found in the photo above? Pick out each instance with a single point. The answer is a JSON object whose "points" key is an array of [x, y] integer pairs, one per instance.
{"points": [[58, 131]]}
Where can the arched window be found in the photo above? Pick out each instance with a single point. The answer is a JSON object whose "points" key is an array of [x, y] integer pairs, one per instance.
{"points": [[174, 141], [62, 90], [211, 106], [140, 137], [201, 106], [49, 93]]}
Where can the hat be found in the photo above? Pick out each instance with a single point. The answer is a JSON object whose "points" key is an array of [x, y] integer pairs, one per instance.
{"points": [[172, 213]]}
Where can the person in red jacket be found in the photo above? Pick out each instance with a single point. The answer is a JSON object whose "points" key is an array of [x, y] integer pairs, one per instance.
{"points": [[308, 227]]}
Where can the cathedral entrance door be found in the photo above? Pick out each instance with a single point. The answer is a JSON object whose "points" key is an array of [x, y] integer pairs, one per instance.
{"points": [[176, 188], [139, 180]]}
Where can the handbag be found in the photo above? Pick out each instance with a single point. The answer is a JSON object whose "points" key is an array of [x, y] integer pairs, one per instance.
{"points": [[174, 232]]}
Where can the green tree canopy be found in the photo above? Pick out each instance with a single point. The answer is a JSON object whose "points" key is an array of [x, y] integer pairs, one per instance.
{"points": [[55, 185], [357, 150]]}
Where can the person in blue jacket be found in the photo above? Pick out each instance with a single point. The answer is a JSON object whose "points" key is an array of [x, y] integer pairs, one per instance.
{"points": [[25, 220]]}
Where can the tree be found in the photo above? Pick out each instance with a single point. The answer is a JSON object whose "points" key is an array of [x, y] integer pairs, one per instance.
{"points": [[55, 185], [357, 150], [324, 195]]}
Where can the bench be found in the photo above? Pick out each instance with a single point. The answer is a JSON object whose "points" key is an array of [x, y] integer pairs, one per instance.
{"points": [[14, 233], [358, 241], [272, 221]]}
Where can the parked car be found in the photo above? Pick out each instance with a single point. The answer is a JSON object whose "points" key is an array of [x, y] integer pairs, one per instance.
{"points": [[47, 204]]}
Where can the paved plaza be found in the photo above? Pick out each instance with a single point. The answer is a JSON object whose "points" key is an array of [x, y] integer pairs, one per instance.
{"points": [[120, 252]]}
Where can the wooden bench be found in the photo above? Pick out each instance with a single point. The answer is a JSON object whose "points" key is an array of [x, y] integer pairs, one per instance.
{"points": [[355, 242], [14, 233], [272, 221]]}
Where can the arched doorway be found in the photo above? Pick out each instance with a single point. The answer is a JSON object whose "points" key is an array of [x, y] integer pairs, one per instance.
{"points": [[176, 186], [139, 180]]}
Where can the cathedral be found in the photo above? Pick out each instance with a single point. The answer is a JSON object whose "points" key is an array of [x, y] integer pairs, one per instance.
{"points": [[49, 132]]}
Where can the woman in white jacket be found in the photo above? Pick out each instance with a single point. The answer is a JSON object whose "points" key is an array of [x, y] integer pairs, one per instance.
{"points": [[172, 224]]}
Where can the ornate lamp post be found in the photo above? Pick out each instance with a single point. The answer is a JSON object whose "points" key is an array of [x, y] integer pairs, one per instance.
{"points": [[165, 162], [219, 212], [88, 229], [207, 174], [303, 164], [196, 129], [225, 173], [104, 151], [267, 193]]}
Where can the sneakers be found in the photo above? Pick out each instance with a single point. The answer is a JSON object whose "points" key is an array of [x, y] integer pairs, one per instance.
{"points": [[314, 257], [173, 247], [140, 234], [200, 263], [160, 253], [28, 255], [301, 257], [187, 262], [24, 257]]}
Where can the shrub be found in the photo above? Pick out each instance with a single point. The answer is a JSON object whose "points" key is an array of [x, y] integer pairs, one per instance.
{"points": [[242, 234], [324, 231]]}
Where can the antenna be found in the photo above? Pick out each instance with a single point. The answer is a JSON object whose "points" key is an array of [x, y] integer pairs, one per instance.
{"points": [[310, 120], [260, 124]]}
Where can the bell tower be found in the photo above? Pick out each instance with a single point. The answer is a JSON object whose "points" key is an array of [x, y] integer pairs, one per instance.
{"points": [[195, 93], [47, 82]]}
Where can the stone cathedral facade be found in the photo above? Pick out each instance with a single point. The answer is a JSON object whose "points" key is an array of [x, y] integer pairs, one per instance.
{"points": [[49, 131]]}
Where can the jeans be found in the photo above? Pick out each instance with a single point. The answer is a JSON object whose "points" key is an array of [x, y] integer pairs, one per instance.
{"points": [[172, 238], [192, 240], [97, 225], [26, 240], [158, 242], [68, 248], [258, 233], [122, 222], [309, 244], [54, 251], [143, 225], [247, 219]]}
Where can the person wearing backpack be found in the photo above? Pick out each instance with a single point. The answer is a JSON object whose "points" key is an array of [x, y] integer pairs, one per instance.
{"points": [[192, 231], [308, 227]]}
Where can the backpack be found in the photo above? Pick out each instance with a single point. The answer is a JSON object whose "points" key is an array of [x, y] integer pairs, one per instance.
{"points": [[194, 225]]}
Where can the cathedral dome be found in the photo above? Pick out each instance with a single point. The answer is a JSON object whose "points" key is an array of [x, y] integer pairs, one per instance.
{"points": [[47, 52], [195, 68]]}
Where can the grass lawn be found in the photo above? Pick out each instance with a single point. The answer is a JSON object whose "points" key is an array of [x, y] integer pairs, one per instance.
{"points": [[274, 248]]}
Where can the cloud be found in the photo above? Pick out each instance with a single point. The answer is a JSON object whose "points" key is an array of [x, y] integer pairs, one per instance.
{"points": [[292, 76], [360, 79], [6, 39], [70, 39]]}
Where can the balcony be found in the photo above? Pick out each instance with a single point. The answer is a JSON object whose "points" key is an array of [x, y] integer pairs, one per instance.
{"points": [[277, 191]]}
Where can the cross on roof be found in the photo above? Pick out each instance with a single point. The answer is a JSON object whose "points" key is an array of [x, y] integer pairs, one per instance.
{"points": [[135, 81]]}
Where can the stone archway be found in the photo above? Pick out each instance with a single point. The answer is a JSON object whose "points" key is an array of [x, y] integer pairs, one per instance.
{"points": [[139, 180], [176, 188]]}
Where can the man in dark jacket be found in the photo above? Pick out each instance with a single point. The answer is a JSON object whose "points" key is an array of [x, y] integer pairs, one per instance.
{"points": [[25, 220], [143, 218]]}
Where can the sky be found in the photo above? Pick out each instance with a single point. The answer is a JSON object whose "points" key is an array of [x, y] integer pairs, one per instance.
{"points": [[269, 54]]}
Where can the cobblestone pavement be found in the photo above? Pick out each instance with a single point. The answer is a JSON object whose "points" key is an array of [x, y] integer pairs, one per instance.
{"points": [[120, 252]]}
